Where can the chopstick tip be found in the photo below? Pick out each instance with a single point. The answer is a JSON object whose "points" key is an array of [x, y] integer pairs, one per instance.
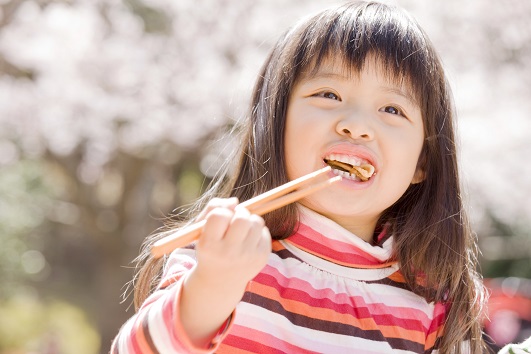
{"points": [[335, 179]]}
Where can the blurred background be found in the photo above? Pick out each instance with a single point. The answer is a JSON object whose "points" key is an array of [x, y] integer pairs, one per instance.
{"points": [[110, 118]]}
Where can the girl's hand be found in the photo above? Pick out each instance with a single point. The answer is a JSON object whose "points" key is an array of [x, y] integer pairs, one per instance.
{"points": [[234, 245], [232, 249]]}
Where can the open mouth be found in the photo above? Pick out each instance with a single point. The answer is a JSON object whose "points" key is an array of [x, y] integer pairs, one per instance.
{"points": [[349, 167]]}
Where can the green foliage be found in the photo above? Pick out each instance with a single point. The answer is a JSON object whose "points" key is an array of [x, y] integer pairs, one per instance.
{"points": [[505, 247], [23, 199], [154, 20], [501, 268], [30, 325]]}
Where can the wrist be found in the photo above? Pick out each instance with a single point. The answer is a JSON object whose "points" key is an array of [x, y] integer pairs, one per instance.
{"points": [[206, 304]]}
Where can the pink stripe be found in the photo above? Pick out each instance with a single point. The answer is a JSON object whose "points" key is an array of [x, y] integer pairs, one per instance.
{"points": [[266, 342], [336, 250], [361, 309], [133, 342], [301, 291], [295, 276], [168, 316], [138, 330], [175, 271], [152, 299], [295, 280], [320, 342], [438, 319]]}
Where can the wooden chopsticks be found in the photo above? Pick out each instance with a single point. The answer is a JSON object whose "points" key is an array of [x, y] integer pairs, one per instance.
{"points": [[261, 204]]}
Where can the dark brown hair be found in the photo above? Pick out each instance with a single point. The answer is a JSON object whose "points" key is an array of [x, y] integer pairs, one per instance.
{"points": [[433, 240]]}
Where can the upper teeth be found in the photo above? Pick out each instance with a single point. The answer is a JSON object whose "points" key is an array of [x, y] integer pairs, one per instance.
{"points": [[351, 160]]}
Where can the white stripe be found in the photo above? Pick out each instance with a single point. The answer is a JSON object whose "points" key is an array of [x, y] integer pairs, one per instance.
{"points": [[258, 318], [176, 259], [331, 230], [371, 293], [123, 339], [157, 329], [346, 272]]}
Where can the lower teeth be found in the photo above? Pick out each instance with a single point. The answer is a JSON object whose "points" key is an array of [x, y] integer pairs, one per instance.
{"points": [[346, 175]]}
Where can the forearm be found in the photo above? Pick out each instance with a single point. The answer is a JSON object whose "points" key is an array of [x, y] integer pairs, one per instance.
{"points": [[234, 246], [206, 303]]}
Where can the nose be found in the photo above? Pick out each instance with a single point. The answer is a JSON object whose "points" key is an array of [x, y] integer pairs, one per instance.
{"points": [[356, 127]]}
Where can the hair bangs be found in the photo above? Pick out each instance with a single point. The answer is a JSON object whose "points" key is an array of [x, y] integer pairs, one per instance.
{"points": [[376, 32]]}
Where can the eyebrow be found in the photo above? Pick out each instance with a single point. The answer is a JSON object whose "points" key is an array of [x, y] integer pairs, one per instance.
{"points": [[325, 75], [405, 94], [334, 75]]}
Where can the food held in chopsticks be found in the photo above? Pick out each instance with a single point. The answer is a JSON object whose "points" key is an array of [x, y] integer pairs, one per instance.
{"points": [[261, 204], [363, 171]]}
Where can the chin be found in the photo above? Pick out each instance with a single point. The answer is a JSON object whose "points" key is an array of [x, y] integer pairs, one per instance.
{"points": [[332, 208]]}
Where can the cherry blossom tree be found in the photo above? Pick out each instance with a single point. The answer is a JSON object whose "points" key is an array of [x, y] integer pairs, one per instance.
{"points": [[112, 114]]}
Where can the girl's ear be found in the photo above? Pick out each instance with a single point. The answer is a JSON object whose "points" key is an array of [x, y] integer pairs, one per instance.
{"points": [[420, 171], [419, 176]]}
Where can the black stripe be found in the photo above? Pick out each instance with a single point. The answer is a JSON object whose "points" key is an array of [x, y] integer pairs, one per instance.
{"points": [[285, 254], [389, 282], [147, 334], [329, 326], [422, 291]]}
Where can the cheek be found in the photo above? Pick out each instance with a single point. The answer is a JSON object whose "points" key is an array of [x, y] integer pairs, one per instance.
{"points": [[301, 138], [404, 156], [292, 141]]}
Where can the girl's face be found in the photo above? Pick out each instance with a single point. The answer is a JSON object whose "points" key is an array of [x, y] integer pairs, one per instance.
{"points": [[354, 119]]}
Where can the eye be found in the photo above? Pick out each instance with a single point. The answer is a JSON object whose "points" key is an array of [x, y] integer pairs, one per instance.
{"points": [[392, 110], [329, 95]]}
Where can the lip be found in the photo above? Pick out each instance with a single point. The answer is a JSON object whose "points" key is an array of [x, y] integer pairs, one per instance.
{"points": [[353, 150]]}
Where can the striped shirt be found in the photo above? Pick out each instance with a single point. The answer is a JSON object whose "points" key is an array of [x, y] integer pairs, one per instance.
{"points": [[323, 290]]}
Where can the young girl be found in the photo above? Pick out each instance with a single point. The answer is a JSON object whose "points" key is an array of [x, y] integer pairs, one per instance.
{"points": [[377, 266]]}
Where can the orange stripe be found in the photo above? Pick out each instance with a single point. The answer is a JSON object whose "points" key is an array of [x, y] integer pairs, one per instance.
{"points": [[140, 336], [304, 309], [277, 246], [399, 332], [325, 314], [432, 337], [397, 277]]}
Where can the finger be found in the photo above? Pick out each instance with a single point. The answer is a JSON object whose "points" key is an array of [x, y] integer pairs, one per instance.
{"points": [[240, 225], [217, 223], [259, 246], [265, 242], [229, 203], [250, 232], [258, 234]]}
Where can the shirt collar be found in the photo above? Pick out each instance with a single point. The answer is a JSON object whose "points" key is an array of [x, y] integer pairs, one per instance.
{"points": [[328, 240]]}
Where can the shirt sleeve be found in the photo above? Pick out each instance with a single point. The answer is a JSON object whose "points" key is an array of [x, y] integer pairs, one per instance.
{"points": [[436, 329], [156, 327]]}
